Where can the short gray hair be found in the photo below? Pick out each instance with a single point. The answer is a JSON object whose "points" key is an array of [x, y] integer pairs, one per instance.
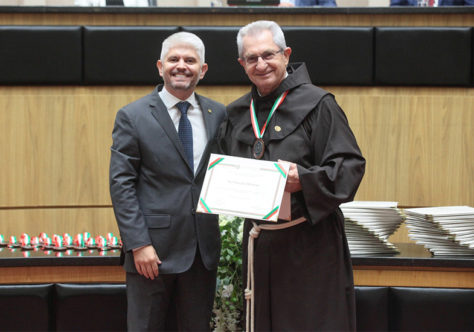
{"points": [[183, 38], [254, 28]]}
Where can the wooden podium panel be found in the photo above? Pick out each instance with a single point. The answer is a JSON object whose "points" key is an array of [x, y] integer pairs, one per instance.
{"points": [[61, 274], [363, 276], [413, 277]]}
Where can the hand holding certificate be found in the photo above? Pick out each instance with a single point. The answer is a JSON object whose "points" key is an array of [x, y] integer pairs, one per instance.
{"points": [[243, 187]]}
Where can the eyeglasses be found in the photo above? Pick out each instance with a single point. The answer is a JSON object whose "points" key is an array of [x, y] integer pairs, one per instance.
{"points": [[266, 56]]}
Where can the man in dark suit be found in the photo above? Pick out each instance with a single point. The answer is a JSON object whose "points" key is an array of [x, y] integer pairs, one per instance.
{"points": [[158, 160]]}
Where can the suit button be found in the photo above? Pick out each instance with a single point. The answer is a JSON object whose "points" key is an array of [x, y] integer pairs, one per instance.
{"points": [[193, 211]]}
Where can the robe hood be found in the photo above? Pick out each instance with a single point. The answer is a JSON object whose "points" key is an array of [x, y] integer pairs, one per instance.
{"points": [[289, 115]]}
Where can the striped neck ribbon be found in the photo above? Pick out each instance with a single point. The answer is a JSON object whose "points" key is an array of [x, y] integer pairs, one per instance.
{"points": [[253, 115]]}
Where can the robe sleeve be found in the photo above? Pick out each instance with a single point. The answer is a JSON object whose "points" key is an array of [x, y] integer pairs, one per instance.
{"points": [[338, 163], [222, 139]]}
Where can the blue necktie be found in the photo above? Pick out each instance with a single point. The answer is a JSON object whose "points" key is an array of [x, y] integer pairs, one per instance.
{"points": [[185, 132]]}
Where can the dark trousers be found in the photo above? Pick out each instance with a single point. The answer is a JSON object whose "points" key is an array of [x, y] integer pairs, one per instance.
{"points": [[180, 301]]}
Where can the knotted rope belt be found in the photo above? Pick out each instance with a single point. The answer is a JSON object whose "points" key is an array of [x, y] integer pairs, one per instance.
{"points": [[250, 290]]}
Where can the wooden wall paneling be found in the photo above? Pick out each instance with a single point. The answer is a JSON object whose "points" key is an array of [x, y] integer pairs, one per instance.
{"points": [[223, 94], [418, 142], [400, 235], [92, 129], [72, 220], [405, 136], [57, 143], [237, 19], [453, 150]]}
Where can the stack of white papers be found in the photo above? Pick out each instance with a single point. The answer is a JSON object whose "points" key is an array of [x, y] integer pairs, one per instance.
{"points": [[443, 230], [369, 224]]}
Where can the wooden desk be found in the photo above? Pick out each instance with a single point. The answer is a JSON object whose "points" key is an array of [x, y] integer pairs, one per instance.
{"points": [[414, 267], [40, 266]]}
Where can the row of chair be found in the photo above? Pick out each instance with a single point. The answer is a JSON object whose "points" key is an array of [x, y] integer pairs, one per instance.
{"points": [[102, 307], [126, 55]]}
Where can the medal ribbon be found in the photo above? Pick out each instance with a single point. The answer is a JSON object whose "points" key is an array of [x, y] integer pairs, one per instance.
{"points": [[253, 115]]}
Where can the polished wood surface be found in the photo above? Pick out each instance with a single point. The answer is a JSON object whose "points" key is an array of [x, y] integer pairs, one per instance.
{"points": [[72, 219], [57, 274], [413, 277], [363, 276]]}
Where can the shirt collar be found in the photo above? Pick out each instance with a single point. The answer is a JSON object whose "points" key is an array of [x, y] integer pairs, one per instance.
{"points": [[170, 101]]}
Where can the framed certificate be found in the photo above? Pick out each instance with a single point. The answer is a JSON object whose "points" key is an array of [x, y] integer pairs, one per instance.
{"points": [[243, 187]]}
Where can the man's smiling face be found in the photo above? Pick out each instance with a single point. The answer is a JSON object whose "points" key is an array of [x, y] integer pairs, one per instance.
{"points": [[181, 70]]}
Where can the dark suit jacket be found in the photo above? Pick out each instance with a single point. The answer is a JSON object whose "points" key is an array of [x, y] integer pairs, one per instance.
{"points": [[154, 191]]}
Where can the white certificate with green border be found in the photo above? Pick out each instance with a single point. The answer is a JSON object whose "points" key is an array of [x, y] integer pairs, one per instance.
{"points": [[243, 187]]}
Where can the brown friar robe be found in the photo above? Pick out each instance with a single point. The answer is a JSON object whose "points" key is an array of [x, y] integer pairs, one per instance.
{"points": [[303, 274]]}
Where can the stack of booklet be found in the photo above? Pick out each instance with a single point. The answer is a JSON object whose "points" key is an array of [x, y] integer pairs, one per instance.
{"points": [[444, 230], [369, 224]]}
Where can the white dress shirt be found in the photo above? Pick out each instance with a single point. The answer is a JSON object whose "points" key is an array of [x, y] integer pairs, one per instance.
{"points": [[195, 117]]}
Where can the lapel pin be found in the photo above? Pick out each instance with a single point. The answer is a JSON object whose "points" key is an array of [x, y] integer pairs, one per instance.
{"points": [[209, 110], [277, 128]]}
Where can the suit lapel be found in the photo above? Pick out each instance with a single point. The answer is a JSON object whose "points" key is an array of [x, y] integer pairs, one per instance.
{"points": [[160, 113], [210, 121], [208, 116]]}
